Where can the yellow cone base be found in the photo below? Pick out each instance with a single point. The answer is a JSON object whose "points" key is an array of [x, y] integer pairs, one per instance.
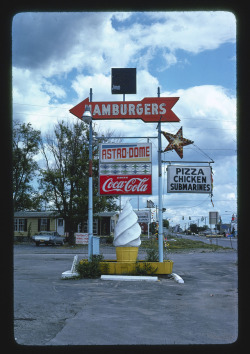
{"points": [[113, 267], [126, 254]]}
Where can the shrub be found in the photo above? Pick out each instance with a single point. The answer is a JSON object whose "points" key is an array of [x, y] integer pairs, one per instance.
{"points": [[147, 269], [90, 269], [152, 252], [109, 239]]}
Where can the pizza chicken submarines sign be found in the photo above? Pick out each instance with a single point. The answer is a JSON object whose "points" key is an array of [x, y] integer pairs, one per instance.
{"points": [[125, 169], [189, 179]]}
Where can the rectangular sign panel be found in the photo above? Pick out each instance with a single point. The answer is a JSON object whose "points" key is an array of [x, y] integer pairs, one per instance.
{"points": [[137, 152], [189, 179], [213, 217], [125, 169], [82, 238], [141, 168], [123, 80], [143, 215], [125, 185]]}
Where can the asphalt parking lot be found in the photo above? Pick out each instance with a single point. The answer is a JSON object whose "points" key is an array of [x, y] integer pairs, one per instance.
{"points": [[49, 311]]}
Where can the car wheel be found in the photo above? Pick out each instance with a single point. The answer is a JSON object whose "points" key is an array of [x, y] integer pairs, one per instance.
{"points": [[37, 244]]}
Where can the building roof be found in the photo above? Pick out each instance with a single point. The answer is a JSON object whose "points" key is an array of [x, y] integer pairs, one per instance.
{"points": [[36, 214], [51, 214], [106, 213]]}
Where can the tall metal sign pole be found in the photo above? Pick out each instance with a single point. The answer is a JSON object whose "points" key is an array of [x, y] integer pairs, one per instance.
{"points": [[160, 228], [149, 110], [90, 199]]}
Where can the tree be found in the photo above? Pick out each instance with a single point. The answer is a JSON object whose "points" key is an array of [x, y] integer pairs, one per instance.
{"points": [[193, 228], [65, 178], [165, 223], [26, 141], [203, 228]]}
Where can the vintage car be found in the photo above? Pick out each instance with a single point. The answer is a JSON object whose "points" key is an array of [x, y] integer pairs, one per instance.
{"points": [[48, 238]]}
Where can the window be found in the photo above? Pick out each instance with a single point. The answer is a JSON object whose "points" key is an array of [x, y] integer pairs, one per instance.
{"points": [[43, 224], [20, 225], [95, 227]]}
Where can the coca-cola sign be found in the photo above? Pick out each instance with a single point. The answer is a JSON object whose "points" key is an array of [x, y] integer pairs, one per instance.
{"points": [[131, 184]]}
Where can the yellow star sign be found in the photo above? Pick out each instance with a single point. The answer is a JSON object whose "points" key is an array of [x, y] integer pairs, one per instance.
{"points": [[176, 142]]}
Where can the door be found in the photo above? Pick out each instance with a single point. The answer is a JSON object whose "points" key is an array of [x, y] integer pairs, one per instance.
{"points": [[60, 226]]}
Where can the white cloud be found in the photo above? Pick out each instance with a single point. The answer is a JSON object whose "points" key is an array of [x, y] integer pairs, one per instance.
{"points": [[98, 82], [53, 90], [93, 43], [170, 59], [193, 31], [122, 16], [208, 115], [63, 41], [27, 87]]}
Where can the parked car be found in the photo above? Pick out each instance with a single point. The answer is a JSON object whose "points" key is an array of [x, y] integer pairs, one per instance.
{"points": [[207, 232], [48, 238]]}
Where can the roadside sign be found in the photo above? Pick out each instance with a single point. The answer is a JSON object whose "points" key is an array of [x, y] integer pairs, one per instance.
{"points": [[138, 152], [189, 179], [150, 204], [125, 185], [143, 215], [149, 109], [81, 238], [125, 169], [213, 217]]}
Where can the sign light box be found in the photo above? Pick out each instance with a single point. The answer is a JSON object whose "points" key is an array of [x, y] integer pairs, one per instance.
{"points": [[123, 80]]}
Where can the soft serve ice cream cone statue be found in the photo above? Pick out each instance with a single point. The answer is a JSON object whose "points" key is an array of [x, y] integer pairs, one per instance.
{"points": [[127, 235]]}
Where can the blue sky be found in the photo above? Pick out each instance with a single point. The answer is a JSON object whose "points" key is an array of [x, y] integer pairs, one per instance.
{"points": [[212, 67], [57, 57]]}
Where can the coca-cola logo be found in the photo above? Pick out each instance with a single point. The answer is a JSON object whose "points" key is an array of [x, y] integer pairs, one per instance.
{"points": [[132, 185]]}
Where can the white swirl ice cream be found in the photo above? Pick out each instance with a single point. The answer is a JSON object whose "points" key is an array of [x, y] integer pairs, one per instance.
{"points": [[127, 230]]}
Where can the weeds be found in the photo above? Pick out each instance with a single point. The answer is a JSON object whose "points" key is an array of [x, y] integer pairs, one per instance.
{"points": [[152, 251], [172, 245], [90, 269], [146, 269]]}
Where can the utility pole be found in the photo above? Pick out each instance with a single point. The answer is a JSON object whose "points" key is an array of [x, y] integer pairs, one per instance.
{"points": [[160, 230], [90, 201]]}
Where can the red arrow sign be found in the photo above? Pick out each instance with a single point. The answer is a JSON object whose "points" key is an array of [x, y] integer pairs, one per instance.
{"points": [[149, 109]]}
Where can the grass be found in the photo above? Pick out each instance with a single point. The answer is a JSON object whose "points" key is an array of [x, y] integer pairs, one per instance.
{"points": [[178, 244], [181, 244], [66, 245]]}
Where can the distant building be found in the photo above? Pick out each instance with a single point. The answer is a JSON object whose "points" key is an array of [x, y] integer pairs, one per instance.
{"points": [[224, 228], [29, 223], [103, 223]]}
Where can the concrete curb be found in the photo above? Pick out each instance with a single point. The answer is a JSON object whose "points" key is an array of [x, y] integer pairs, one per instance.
{"points": [[68, 274], [177, 278], [128, 278]]}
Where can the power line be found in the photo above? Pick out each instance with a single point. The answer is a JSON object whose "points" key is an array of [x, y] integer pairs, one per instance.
{"points": [[133, 122], [37, 105], [188, 118]]}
